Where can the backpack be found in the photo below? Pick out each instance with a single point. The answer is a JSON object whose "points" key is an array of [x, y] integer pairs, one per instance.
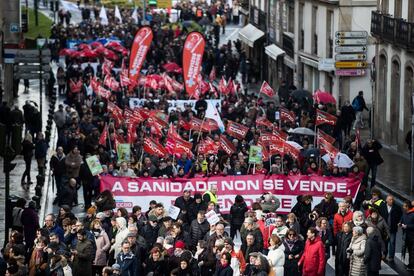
{"points": [[356, 104]]}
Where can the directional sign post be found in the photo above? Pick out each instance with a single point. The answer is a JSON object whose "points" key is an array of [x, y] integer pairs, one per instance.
{"points": [[354, 34], [351, 49], [351, 57], [351, 64], [351, 53]]}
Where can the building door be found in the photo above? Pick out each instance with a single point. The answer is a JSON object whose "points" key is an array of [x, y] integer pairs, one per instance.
{"points": [[395, 102], [381, 97], [408, 92]]}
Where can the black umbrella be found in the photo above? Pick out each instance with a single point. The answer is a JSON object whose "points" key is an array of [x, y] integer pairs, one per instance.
{"points": [[307, 153], [204, 21], [302, 95]]}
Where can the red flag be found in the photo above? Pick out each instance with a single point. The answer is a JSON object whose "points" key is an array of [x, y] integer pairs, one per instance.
{"points": [[184, 124], [104, 136], [103, 92], [265, 153], [107, 67], [357, 137], [280, 134], [172, 132], [154, 148], [192, 58], [132, 117], [212, 75], [75, 87], [328, 148], [203, 86], [116, 112], [167, 83], [111, 83], [226, 145], [324, 136], [210, 124], [323, 117], [156, 125], [208, 146], [286, 115], [140, 47], [291, 150], [269, 138], [230, 89], [132, 133], [180, 146], [95, 84], [277, 148], [267, 89], [236, 130], [222, 87], [262, 121]]}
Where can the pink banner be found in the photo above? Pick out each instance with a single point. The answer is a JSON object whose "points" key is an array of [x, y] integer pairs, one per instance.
{"points": [[140, 191]]}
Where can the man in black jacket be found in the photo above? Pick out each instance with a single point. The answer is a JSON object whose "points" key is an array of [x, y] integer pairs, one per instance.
{"points": [[126, 260], [372, 255], [394, 214], [58, 167], [198, 229], [138, 251]]}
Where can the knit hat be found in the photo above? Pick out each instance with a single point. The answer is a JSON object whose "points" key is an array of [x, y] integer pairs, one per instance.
{"points": [[91, 210], [152, 218], [229, 241], [116, 267], [179, 244]]}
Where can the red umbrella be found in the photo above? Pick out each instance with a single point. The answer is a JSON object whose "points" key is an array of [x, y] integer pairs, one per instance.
{"points": [[84, 46], [87, 54], [172, 67], [113, 44], [66, 52], [96, 44], [106, 53], [323, 97]]}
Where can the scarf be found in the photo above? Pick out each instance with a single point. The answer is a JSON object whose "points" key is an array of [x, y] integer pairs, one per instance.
{"points": [[38, 258], [291, 242]]}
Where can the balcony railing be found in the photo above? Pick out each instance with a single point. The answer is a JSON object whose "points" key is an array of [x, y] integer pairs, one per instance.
{"points": [[376, 23], [388, 28], [288, 45], [411, 38], [402, 33]]}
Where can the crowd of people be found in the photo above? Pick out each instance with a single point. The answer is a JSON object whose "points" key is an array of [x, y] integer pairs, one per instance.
{"points": [[146, 241]]}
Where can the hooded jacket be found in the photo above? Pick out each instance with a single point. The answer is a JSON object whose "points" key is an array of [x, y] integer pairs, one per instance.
{"points": [[120, 235], [313, 258]]}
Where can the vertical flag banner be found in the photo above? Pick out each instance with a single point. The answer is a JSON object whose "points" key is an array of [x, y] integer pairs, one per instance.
{"points": [[140, 47], [192, 59]]}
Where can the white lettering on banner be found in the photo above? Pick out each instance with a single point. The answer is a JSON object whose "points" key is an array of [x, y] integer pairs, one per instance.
{"points": [[236, 130], [140, 191]]}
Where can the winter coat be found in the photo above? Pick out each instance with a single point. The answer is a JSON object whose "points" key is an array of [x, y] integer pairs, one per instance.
{"points": [[194, 208], [257, 234], [313, 258], [237, 212], [38, 262], [27, 150], [73, 163], [198, 231], [302, 212], [58, 165], [393, 218], [381, 228], [60, 118], [327, 209], [68, 195], [224, 271], [296, 248], [372, 155], [357, 265], [209, 262], [30, 222], [276, 258], [150, 234], [343, 240], [102, 246], [372, 255], [408, 219], [158, 268], [119, 238], [339, 219], [41, 149], [82, 264], [128, 263], [270, 206]]}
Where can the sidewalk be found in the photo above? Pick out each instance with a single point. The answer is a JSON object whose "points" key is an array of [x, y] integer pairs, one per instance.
{"points": [[394, 175]]}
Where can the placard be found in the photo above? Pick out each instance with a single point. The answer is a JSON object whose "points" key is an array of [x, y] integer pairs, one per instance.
{"points": [[94, 165]]}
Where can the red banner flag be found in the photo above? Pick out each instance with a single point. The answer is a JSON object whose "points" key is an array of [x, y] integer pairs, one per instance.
{"points": [[178, 145], [208, 146], [323, 136], [184, 124], [236, 130], [230, 89], [222, 87], [286, 115], [265, 153], [154, 148], [111, 83], [277, 148], [132, 117], [104, 136], [75, 87], [262, 121], [116, 112], [226, 145], [213, 74], [291, 150], [140, 47], [192, 58], [267, 89], [283, 135], [323, 117], [132, 133], [328, 148], [269, 138], [103, 92]]}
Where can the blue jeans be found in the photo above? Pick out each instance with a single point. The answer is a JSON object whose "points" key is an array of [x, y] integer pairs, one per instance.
{"points": [[391, 245]]}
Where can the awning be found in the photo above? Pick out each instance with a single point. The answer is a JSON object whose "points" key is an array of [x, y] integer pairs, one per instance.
{"points": [[273, 51], [249, 34], [308, 61]]}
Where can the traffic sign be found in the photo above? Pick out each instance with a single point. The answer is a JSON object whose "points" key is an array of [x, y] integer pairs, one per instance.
{"points": [[351, 64], [326, 64], [31, 76], [350, 49], [351, 41], [351, 57], [14, 27], [31, 68], [350, 72], [33, 53], [20, 59], [352, 34]]}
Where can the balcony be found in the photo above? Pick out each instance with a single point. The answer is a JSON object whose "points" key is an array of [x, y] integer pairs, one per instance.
{"points": [[288, 44], [411, 38], [258, 18], [376, 24], [244, 6], [388, 28], [402, 33]]}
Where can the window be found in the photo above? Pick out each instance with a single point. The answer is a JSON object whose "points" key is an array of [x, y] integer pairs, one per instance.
{"points": [[329, 33], [301, 28], [410, 11], [384, 6], [398, 8], [315, 30], [291, 17]]}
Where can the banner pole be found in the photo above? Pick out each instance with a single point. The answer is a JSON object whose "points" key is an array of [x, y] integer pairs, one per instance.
{"points": [[201, 126], [254, 168], [283, 170], [314, 138]]}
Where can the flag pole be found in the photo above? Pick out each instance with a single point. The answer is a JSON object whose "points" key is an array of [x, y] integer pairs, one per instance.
{"points": [[201, 126]]}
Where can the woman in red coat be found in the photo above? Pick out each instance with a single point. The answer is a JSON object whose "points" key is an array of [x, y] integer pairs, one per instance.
{"points": [[313, 258]]}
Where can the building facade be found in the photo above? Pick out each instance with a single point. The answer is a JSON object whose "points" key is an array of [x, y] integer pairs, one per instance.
{"points": [[301, 34], [392, 24]]}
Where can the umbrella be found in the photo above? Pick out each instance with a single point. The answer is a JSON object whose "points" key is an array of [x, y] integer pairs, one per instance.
{"points": [[66, 52], [87, 53], [204, 21], [309, 152], [107, 53], [96, 44], [172, 67], [323, 97], [302, 131], [326, 158], [343, 161], [84, 46], [302, 95], [294, 144], [113, 44]]}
